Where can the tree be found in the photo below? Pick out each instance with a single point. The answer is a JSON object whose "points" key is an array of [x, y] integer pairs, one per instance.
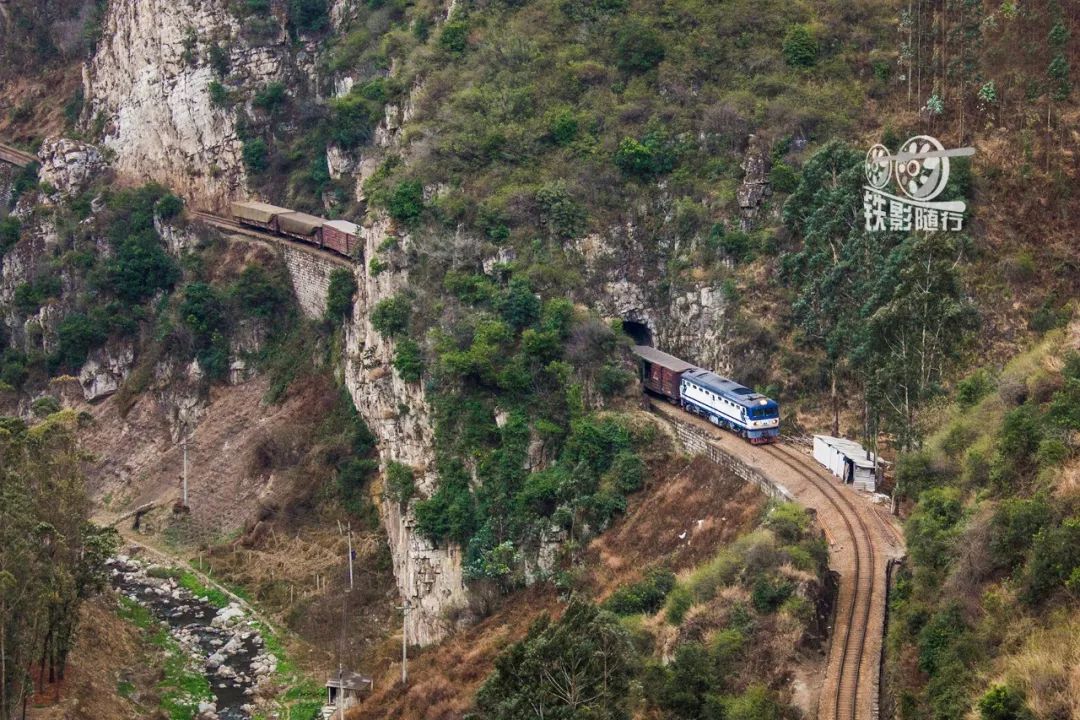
{"points": [[339, 296], [917, 332], [800, 47], [578, 667], [638, 48]]}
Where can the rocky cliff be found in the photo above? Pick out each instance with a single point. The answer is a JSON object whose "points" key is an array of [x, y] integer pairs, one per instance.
{"points": [[148, 88]]}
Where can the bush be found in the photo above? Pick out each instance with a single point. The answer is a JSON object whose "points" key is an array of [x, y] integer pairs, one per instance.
{"points": [[202, 311], [28, 297], [788, 521], [454, 37], [768, 594], [400, 482], [271, 97], [45, 405], [339, 296], [406, 201], [10, 232], [309, 15], [612, 380], [519, 306], [169, 206], [1055, 555], [973, 388], [678, 603], [351, 121], [259, 294], [645, 158], [77, 335], [1014, 526], [256, 154], [638, 48], [391, 315], [408, 361], [563, 127], [800, 47], [783, 178], [645, 596], [1002, 702]]}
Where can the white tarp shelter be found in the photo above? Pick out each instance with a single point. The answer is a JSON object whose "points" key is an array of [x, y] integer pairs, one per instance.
{"points": [[847, 460]]}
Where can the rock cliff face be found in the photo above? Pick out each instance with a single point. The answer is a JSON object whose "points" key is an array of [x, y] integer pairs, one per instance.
{"points": [[149, 81], [429, 577]]}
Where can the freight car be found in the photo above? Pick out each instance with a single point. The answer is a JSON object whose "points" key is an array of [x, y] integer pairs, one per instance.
{"points": [[661, 372], [339, 236], [724, 402]]}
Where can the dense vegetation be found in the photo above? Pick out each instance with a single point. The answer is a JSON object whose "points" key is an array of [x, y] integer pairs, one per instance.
{"points": [[51, 556], [737, 620], [986, 614]]}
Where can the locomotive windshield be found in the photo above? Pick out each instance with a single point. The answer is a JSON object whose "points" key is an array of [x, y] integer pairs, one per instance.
{"points": [[763, 412]]}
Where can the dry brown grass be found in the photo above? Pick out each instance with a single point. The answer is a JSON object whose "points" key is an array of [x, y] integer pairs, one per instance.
{"points": [[1047, 668]]}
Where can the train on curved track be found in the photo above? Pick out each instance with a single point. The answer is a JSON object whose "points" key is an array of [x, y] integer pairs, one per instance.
{"points": [[339, 236], [725, 403]]}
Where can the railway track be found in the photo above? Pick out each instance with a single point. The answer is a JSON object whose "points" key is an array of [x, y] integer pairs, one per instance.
{"points": [[16, 157], [845, 683], [861, 539]]}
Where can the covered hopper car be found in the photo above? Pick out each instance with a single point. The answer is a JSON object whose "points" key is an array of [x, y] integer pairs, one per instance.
{"points": [[340, 236]]}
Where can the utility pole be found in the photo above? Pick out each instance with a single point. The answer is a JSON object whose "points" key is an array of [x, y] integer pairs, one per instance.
{"points": [[350, 559], [183, 444], [404, 642]]}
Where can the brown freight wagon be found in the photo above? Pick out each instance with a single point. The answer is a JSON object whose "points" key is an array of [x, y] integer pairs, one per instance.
{"points": [[660, 372], [258, 214], [301, 226], [340, 236]]}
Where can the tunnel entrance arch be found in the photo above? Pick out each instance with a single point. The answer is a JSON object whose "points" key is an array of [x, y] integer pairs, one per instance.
{"points": [[639, 332]]}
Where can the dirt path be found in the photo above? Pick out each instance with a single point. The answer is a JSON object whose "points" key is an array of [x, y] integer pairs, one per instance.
{"points": [[862, 540]]}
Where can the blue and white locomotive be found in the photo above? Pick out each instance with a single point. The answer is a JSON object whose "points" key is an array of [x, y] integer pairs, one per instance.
{"points": [[730, 405]]}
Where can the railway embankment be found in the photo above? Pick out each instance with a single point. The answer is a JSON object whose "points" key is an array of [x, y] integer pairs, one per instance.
{"points": [[863, 543]]}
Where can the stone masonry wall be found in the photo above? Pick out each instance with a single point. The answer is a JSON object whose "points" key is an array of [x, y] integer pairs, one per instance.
{"points": [[696, 442], [310, 278]]}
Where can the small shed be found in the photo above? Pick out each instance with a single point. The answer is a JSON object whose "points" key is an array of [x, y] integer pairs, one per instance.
{"points": [[847, 460], [260, 214], [299, 224], [344, 689], [661, 372]]}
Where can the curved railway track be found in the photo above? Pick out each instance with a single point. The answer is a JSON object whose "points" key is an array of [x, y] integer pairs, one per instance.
{"points": [[846, 689]]}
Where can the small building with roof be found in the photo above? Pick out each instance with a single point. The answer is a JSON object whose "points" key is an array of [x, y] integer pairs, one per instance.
{"points": [[345, 689], [847, 460]]}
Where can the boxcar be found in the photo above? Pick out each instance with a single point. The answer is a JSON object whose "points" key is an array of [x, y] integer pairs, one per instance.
{"points": [[301, 226], [340, 236], [661, 373], [258, 214]]}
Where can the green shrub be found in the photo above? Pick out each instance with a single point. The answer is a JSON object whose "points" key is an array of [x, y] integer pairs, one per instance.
{"points": [[800, 47], [219, 94], [756, 703], [560, 212], [408, 360], [400, 482], [454, 37], [259, 294], [450, 513], [644, 596], [391, 315], [339, 296], [45, 405], [351, 121], [638, 48], [270, 97], [310, 15], [1055, 555], [202, 311], [645, 158], [613, 379], [789, 521], [768, 594], [563, 127], [169, 206], [519, 306], [256, 154], [678, 603], [77, 335], [783, 178], [406, 201], [1002, 702], [28, 297], [10, 232], [974, 388]]}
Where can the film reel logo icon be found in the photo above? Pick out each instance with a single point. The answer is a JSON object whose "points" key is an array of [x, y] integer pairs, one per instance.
{"points": [[921, 168]]}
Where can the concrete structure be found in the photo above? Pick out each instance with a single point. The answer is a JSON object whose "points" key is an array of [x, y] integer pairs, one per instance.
{"points": [[343, 690], [847, 460]]}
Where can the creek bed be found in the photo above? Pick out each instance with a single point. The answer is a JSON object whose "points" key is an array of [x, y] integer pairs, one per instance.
{"points": [[223, 641]]}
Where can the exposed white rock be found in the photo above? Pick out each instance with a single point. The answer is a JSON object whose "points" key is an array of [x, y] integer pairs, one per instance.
{"points": [[106, 369], [150, 79], [68, 165]]}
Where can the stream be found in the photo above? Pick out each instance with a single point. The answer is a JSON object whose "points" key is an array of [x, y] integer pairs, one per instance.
{"points": [[224, 642]]}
